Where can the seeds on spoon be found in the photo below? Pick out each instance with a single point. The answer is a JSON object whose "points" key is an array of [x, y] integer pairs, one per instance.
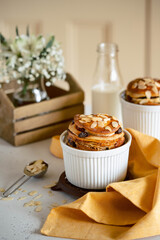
{"points": [[36, 167]]}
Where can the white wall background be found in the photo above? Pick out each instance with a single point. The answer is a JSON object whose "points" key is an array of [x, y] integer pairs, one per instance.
{"points": [[81, 24]]}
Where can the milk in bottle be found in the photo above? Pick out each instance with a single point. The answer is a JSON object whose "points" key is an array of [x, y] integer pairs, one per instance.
{"points": [[107, 81]]}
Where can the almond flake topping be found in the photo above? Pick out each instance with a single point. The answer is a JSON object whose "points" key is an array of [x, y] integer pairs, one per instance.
{"points": [[148, 94], [143, 101], [22, 198], [82, 121], [7, 198], [134, 85], [114, 118], [148, 79], [96, 119], [38, 209], [142, 87], [150, 84], [101, 115], [86, 119], [155, 90], [36, 167], [32, 203], [141, 83], [94, 124], [82, 115], [37, 197], [106, 119], [32, 193], [115, 124], [157, 84], [2, 190], [108, 128], [101, 124]]}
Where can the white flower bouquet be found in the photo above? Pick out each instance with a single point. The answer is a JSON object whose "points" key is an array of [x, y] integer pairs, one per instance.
{"points": [[29, 58]]}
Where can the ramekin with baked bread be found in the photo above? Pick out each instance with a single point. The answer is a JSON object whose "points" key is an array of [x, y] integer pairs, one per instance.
{"points": [[141, 106], [95, 150], [144, 91]]}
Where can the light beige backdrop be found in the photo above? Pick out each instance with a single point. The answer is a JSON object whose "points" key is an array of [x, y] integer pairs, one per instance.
{"points": [[81, 24]]}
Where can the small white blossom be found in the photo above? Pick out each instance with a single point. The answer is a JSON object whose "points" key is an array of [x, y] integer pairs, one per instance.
{"points": [[20, 59], [53, 73], [33, 71], [27, 64], [21, 69], [19, 81], [53, 80], [48, 84]]}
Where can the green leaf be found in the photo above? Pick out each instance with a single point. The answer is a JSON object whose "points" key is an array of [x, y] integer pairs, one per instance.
{"points": [[17, 31], [50, 43], [2, 39], [39, 37], [27, 31]]}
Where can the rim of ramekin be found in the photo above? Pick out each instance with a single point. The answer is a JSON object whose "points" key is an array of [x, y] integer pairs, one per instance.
{"points": [[122, 148], [148, 107]]}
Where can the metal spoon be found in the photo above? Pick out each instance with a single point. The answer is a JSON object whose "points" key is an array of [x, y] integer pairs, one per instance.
{"points": [[26, 173]]}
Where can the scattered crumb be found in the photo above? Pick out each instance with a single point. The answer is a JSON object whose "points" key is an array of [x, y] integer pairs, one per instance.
{"points": [[2, 190], [32, 203], [15, 192], [20, 189], [32, 193], [7, 198], [24, 191], [64, 201], [50, 193], [37, 203], [38, 209], [28, 204], [54, 205], [21, 198], [50, 185], [37, 197]]}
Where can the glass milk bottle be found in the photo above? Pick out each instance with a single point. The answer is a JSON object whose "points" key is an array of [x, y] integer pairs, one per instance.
{"points": [[107, 81]]}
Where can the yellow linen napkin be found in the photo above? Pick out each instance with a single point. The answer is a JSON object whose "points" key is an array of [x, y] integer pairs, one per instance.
{"points": [[127, 210]]}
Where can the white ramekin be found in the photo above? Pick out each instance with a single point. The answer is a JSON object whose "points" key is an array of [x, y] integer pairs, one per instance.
{"points": [[95, 169], [144, 118]]}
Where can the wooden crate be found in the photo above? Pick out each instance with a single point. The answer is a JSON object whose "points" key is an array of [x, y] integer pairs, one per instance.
{"points": [[33, 122]]}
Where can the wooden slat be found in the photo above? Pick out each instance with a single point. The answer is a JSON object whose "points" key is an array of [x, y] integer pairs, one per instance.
{"points": [[49, 105], [48, 118], [40, 134], [6, 118]]}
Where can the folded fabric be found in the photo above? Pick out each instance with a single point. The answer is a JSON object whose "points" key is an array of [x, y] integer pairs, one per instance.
{"points": [[127, 210]]}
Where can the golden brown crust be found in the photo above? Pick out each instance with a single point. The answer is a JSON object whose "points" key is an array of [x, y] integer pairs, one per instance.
{"points": [[144, 91], [95, 132]]}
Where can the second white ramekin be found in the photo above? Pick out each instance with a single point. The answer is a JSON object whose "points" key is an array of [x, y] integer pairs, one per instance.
{"points": [[95, 169], [144, 118]]}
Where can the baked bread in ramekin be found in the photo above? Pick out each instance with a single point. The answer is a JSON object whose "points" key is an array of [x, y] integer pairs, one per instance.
{"points": [[95, 132], [144, 91]]}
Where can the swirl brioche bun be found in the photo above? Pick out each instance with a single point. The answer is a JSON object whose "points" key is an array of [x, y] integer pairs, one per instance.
{"points": [[144, 91], [95, 132]]}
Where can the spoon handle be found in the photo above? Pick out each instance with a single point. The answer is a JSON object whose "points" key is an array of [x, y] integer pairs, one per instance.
{"points": [[7, 192]]}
